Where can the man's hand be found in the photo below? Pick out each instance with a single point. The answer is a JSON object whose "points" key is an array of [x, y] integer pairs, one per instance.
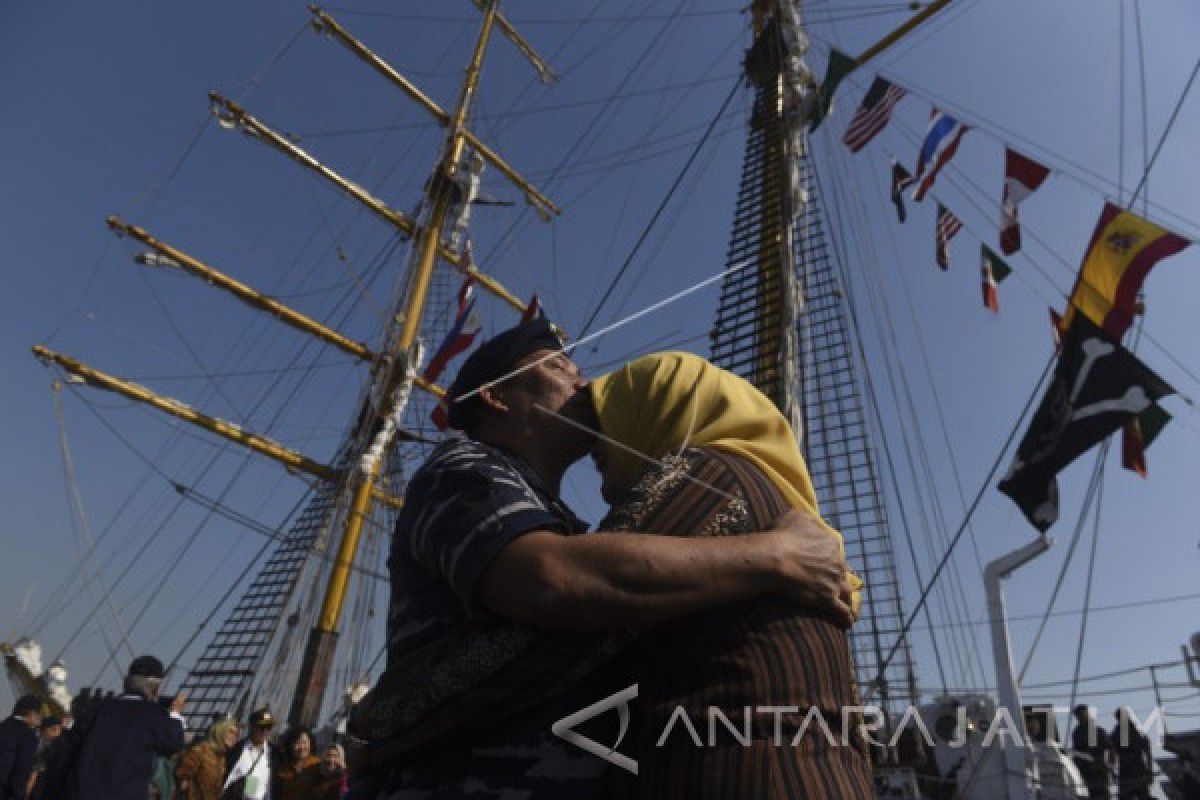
{"points": [[812, 569], [178, 703]]}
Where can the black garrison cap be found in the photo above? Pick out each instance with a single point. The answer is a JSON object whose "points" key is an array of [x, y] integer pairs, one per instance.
{"points": [[493, 360]]}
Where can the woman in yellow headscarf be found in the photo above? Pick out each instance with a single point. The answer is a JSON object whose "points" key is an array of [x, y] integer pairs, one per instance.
{"points": [[690, 449]]}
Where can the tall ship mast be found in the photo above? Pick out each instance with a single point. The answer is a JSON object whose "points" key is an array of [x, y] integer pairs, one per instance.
{"points": [[260, 654], [782, 324]]}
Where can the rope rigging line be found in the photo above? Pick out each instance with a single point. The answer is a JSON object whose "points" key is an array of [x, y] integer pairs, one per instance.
{"points": [[222, 448], [523, 113], [970, 511], [670, 223], [1087, 592], [275, 535], [87, 553], [1166, 132], [1120, 100], [1174, 598], [994, 130], [167, 446], [691, 159], [598, 122], [1093, 488], [953, 175], [885, 323], [927, 365], [604, 173], [872, 400], [1074, 541], [573, 345], [639, 154], [207, 373], [1145, 96]]}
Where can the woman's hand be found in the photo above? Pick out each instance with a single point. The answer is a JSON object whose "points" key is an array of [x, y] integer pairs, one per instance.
{"points": [[812, 570]]}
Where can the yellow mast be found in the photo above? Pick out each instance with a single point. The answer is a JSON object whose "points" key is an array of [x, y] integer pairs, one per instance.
{"points": [[402, 351], [260, 444], [174, 257]]}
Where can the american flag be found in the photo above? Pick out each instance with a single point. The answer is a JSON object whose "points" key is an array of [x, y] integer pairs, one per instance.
{"points": [[873, 115], [948, 227]]}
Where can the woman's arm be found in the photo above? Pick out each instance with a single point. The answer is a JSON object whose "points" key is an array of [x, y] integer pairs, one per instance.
{"points": [[616, 581]]}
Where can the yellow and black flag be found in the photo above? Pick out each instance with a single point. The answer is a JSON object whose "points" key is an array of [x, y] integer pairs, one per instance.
{"points": [[1098, 385]]}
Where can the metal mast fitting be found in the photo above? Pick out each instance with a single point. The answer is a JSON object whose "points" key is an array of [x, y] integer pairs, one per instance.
{"points": [[393, 380], [263, 445]]}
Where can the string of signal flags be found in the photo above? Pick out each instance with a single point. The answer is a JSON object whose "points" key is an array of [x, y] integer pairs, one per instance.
{"points": [[1098, 385]]}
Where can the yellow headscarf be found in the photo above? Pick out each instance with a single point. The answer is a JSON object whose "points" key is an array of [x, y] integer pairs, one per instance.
{"points": [[665, 402]]}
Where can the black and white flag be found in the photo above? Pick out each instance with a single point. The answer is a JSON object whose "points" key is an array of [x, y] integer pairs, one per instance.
{"points": [[1097, 386]]}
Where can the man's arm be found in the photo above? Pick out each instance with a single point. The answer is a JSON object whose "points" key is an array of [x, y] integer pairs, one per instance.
{"points": [[169, 738], [615, 581]]}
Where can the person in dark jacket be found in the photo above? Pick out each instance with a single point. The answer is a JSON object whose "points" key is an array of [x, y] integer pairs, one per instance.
{"points": [[1135, 762], [1091, 751], [118, 738], [18, 747]]}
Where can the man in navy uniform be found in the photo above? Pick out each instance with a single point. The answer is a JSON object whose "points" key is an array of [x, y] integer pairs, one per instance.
{"points": [[118, 737], [18, 746]]}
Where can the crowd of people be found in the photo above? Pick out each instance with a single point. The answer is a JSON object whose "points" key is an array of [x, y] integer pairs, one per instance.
{"points": [[1122, 757], [135, 746]]}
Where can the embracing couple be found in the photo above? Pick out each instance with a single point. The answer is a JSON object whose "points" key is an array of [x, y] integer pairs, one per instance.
{"points": [[712, 583]]}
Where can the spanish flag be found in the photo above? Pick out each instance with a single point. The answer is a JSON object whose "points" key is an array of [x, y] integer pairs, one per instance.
{"points": [[1123, 250]]}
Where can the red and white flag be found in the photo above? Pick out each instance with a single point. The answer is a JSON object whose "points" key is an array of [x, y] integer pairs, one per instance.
{"points": [[460, 337], [1022, 176], [948, 227], [873, 115]]}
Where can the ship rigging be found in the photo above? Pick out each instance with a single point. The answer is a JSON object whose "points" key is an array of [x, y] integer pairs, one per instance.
{"points": [[820, 235]]}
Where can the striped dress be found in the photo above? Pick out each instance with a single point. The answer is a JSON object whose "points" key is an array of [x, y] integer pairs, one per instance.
{"points": [[738, 660]]}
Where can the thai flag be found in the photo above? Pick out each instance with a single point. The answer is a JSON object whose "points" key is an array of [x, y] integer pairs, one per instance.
{"points": [[941, 142], [460, 336]]}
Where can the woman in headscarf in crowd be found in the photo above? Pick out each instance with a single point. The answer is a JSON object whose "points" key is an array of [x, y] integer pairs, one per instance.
{"points": [[296, 767], [692, 450], [200, 773]]}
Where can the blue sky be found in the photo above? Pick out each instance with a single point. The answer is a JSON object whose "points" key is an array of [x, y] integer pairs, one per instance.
{"points": [[107, 113]]}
